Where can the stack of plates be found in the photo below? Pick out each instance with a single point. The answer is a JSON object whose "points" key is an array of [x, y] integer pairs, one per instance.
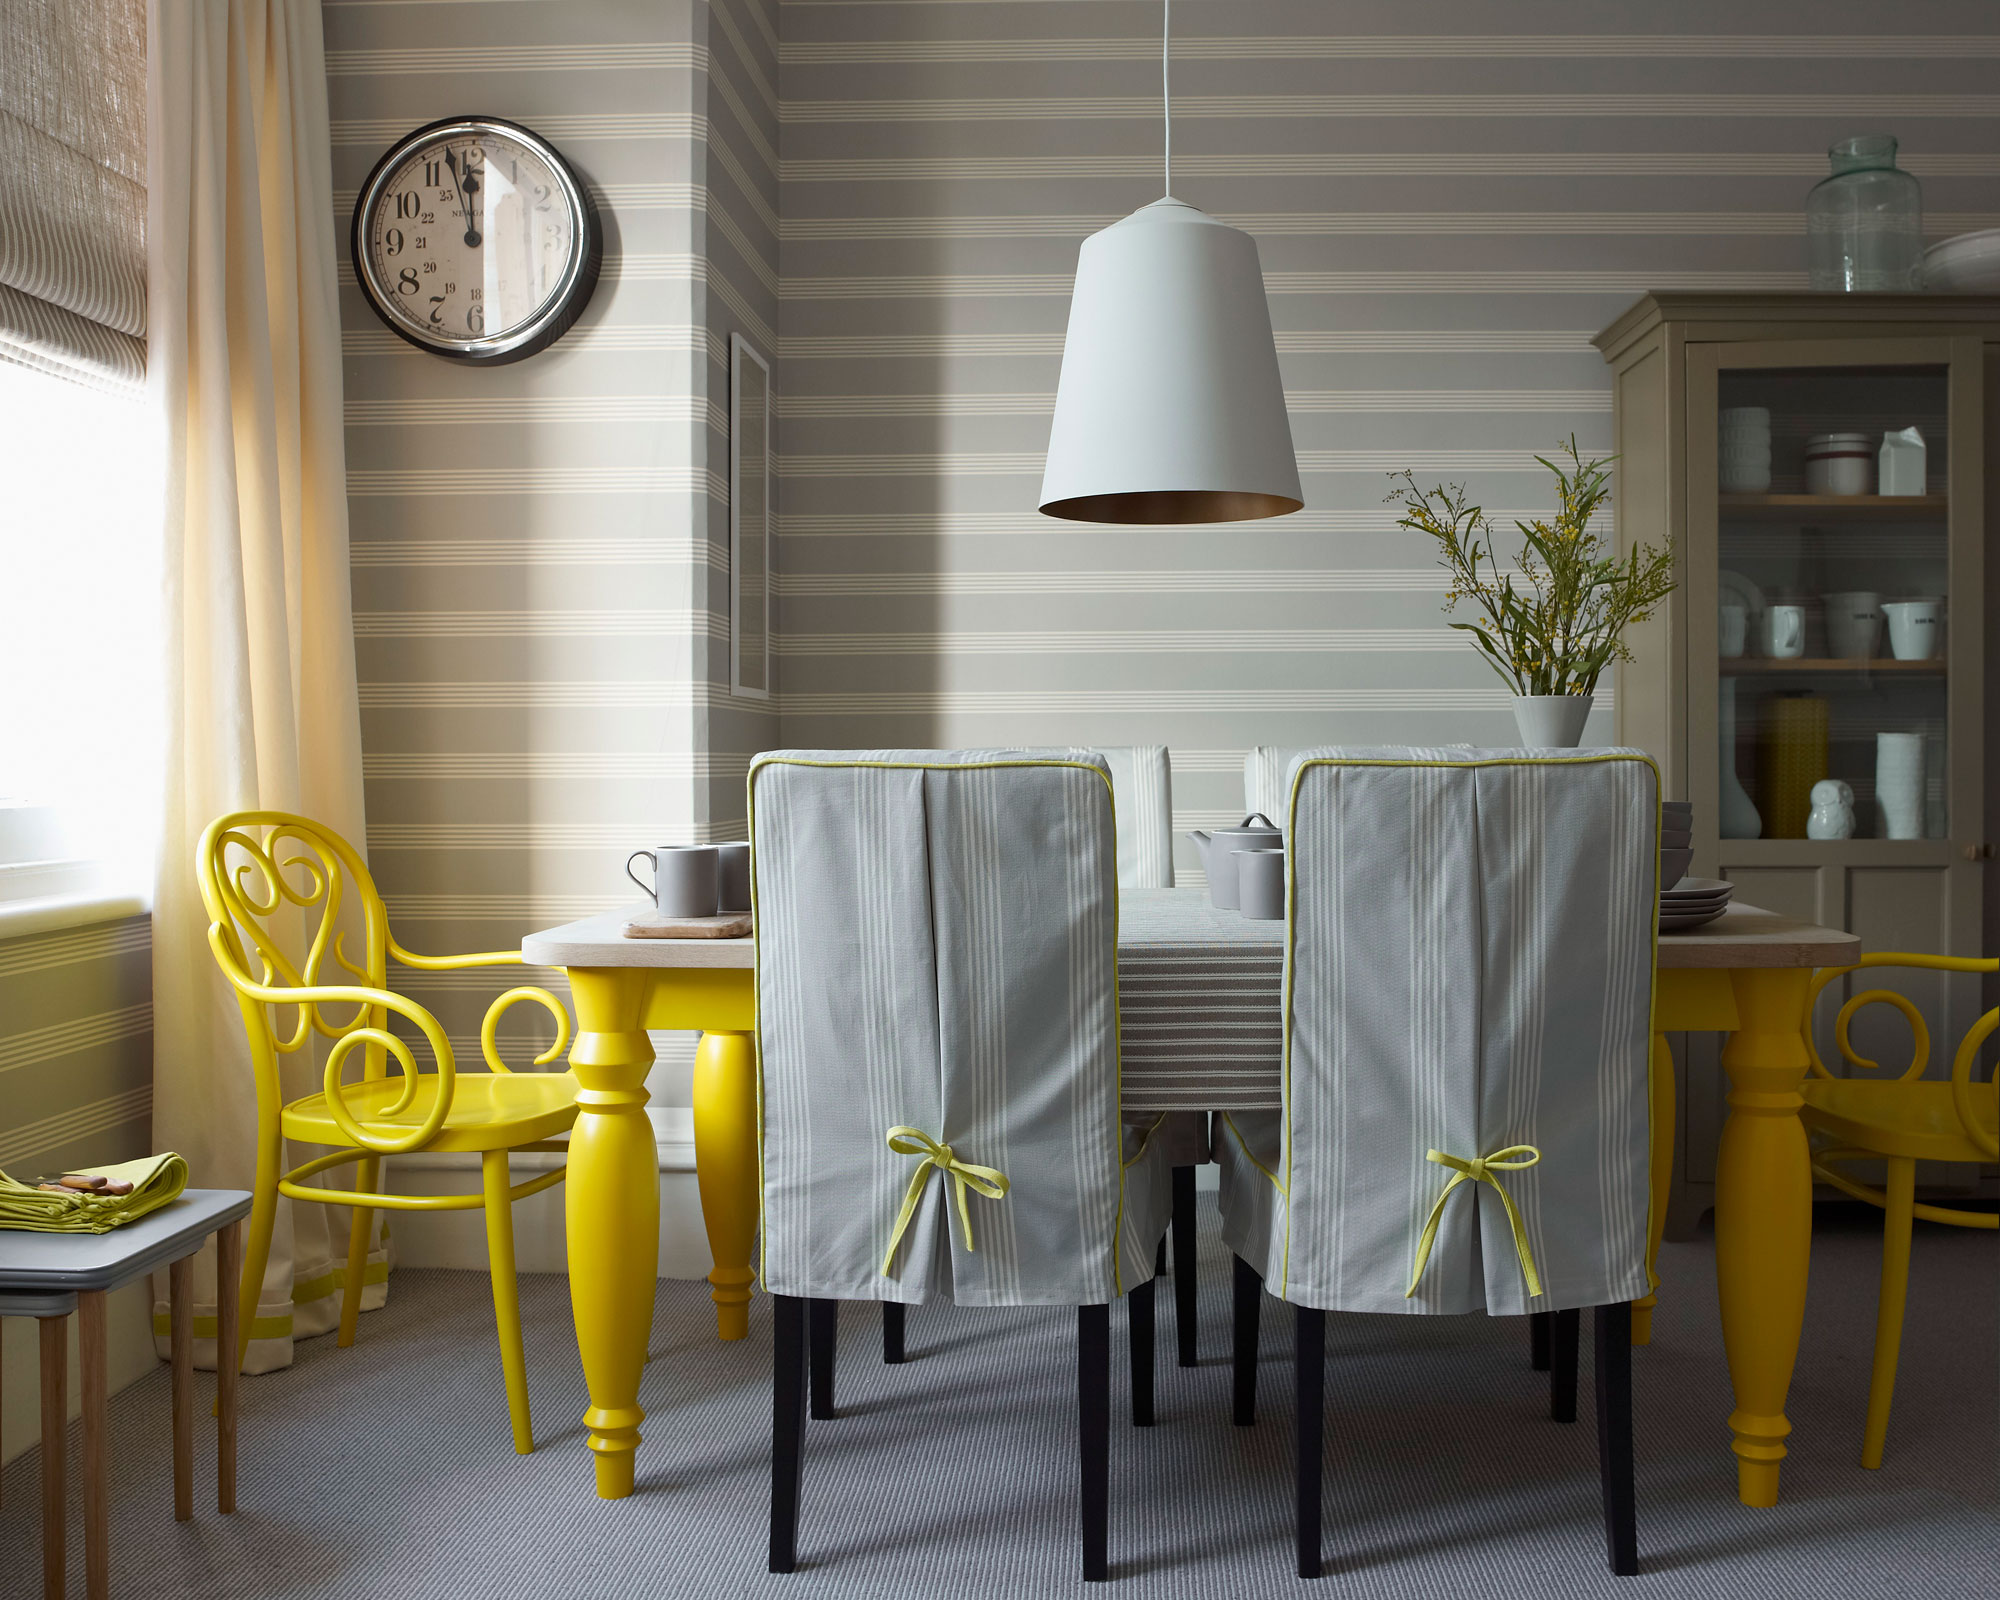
{"points": [[1692, 902]]}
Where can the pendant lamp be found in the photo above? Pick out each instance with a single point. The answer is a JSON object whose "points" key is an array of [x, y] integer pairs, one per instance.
{"points": [[1170, 407]]}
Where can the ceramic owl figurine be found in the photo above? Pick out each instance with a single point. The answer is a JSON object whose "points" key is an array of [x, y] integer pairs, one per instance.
{"points": [[1832, 811]]}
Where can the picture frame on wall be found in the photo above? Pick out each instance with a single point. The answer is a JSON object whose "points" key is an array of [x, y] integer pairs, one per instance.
{"points": [[750, 537]]}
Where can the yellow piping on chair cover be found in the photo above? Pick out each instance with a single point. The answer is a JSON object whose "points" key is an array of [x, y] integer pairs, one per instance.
{"points": [[264, 876]]}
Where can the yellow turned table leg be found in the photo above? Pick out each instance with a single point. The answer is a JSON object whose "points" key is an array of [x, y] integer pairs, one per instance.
{"points": [[1663, 1172], [725, 1160], [1763, 1218], [612, 1207]]}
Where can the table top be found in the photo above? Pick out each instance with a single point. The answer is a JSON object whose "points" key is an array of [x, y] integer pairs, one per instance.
{"points": [[1744, 936], [45, 1265]]}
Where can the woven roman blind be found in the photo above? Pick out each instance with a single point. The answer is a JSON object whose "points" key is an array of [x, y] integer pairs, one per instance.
{"points": [[73, 188]]}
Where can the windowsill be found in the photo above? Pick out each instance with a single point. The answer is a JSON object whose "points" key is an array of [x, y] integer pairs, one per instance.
{"points": [[53, 913]]}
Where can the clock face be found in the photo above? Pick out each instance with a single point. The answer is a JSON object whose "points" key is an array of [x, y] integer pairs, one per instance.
{"points": [[473, 238]]}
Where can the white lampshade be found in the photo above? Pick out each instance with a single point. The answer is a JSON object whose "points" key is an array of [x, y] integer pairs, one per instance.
{"points": [[1170, 407]]}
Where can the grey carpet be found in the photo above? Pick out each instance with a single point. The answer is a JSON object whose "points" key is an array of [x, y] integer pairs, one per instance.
{"points": [[385, 1470]]}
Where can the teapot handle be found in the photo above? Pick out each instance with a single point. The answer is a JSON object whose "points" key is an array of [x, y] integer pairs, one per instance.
{"points": [[1258, 816]]}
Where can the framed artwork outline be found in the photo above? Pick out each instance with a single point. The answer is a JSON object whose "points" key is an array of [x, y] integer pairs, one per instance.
{"points": [[749, 521]]}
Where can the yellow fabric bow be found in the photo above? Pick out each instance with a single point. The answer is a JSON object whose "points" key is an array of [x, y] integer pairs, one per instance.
{"points": [[1481, 1169], [989, 1181]]}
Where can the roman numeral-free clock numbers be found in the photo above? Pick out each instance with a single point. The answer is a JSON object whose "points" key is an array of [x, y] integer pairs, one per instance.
{"points": [[473, 235]]}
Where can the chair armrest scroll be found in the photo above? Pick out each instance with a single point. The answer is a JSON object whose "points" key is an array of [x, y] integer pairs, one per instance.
{"points": [[489, 1046]]}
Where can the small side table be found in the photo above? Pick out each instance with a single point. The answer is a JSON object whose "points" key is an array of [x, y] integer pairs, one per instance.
{"points": [[49, 1275]]}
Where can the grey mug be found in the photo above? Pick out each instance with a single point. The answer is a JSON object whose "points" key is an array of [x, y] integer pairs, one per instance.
{"points": [[1260, 884], [684, 878], [732, 878]]}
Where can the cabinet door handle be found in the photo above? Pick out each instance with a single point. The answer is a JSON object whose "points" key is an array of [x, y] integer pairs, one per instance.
{"points": [[1979, 852]]}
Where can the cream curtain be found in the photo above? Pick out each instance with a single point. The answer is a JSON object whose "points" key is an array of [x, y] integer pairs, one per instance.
{"points": [[243, 358]]}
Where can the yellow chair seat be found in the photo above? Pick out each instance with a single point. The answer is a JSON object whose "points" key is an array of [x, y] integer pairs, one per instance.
{"points": [[489, 1110], [1914, 1119]]}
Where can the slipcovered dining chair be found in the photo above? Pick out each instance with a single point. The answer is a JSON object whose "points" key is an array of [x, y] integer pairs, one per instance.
{"points": [[1899, 1122], [1468, 1005], [290, 891], [938, 1075], [1264, 769]]}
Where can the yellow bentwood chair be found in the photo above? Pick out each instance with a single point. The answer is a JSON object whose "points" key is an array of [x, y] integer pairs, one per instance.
{"points": [[264, 875], [1900, 1122]]}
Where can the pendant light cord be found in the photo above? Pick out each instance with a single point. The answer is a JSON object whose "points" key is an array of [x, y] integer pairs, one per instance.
{"points": [[1167, 88]]}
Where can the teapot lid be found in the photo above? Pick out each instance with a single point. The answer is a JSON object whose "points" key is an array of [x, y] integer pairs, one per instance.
{"points": [[1256, 822]]}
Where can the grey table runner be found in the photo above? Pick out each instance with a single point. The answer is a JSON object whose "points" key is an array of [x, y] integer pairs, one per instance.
{"points": [[1199, 995]]}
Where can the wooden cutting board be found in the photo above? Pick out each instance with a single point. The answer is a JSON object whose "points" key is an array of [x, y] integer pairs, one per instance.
{"points": [[654, 926]]}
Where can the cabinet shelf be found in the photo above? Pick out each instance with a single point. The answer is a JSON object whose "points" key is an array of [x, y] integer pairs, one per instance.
{"points": [[1757, 666], [1833, 507]]}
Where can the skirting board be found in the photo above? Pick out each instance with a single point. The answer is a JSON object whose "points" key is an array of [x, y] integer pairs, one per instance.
{"points": [[458, 1238]]}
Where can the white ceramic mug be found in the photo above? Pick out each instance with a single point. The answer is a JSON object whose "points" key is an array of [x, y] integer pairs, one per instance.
{"points": [[1914, 626], [1854, 625], [1732, 630], [1784, 632], [1260, 884], [684, 878]]}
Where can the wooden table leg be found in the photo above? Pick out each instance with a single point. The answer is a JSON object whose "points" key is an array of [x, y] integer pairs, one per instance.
{"points": [[180, 1322], [90, 1326], [55, 1423], [612, 1210], [1662, 1075], [725, 1160], [228, 1268], [1763, 1218]]}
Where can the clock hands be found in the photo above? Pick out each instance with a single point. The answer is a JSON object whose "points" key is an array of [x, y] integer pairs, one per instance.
{"points": [[462, 175]]}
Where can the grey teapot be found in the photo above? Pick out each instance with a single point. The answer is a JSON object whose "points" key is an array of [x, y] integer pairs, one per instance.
{"points": [[1218, 853]]}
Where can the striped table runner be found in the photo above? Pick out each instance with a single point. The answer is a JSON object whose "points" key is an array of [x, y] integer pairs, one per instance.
{"points": [[1199, 995]]}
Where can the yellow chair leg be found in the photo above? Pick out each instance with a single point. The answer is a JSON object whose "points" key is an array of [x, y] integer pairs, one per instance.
{"points": [[725, 1158], [1898, 1218], [256, 1257], [367, 1174], [1662, 1077], [506, 1294]]}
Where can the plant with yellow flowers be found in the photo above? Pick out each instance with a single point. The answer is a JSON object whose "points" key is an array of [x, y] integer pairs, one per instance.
{"points": [[1556, 622]]}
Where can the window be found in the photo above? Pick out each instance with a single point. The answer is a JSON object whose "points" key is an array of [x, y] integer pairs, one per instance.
{"points": [[80, 690]]}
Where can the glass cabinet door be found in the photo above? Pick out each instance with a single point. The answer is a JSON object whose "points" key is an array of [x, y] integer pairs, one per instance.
{"points": [[1832, 595]]}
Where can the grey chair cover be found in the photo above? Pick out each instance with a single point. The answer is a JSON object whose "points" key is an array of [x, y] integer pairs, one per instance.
{"points": [[937, 949], [1469, 968]]}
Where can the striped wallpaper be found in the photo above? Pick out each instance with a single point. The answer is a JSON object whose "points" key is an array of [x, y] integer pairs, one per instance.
{"points": [[541, 550], [889, 194], [76, 1053], [1443, 218]]}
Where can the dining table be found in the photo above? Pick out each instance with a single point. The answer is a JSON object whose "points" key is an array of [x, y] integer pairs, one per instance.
{"points": [[1200, 1029]]}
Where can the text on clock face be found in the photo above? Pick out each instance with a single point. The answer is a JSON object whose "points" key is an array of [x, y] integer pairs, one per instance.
{"points": [[470, 237]]}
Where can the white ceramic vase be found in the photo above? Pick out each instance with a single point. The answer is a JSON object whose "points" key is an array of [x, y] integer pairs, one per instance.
{"points": [[1738, 814], [1551, 721]]}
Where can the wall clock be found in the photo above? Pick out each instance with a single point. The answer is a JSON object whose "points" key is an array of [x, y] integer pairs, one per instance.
{"points": [[475, 239]]}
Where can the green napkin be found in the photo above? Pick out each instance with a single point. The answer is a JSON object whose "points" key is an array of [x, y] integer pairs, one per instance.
{"points": [[155, 1181]]}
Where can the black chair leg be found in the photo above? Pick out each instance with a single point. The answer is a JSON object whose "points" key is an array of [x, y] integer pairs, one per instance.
{"points": [[1248, 1292], [1309, 1360], [1614, 1436], [822, 1339], [892, 1332], [1160, 1258], [1184, 1268], [1538, 1340], [1093, 1426], [788, 1426], [1563, 1336], [1139, 1306]]}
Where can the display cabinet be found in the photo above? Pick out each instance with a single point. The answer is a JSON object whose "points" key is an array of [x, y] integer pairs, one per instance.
{"points": [[1821, 463]]}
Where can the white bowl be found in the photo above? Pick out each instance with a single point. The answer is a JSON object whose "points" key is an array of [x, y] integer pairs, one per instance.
{"points": [[1969, 262]]}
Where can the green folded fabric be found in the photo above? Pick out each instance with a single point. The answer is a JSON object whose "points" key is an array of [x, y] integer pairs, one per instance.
{"points": [[155, 1181]]}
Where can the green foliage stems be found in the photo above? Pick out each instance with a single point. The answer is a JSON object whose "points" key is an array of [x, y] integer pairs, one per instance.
{"points": [[1558, 629]]}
